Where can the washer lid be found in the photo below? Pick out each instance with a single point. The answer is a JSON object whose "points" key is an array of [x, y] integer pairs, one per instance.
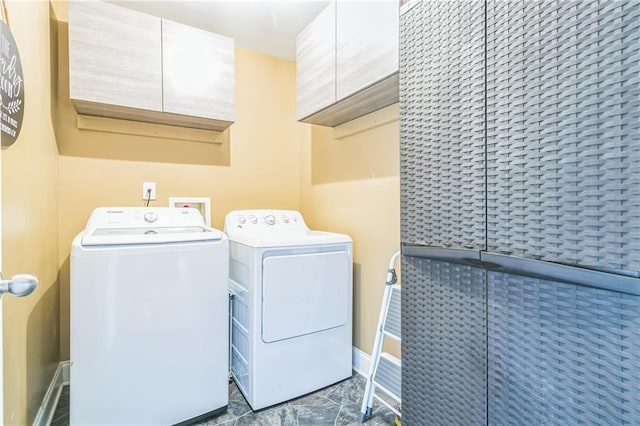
{"points": [[149, 235], [141, 225]]}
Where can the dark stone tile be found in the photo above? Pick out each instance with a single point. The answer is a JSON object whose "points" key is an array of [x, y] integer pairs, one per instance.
{"points": [[337, 404], [350, 413], [318, 415], [277, 416], [238, 407], [383, 416], [234, 393], [313, 400], [360, 380], [349, 391], [217, 423]]}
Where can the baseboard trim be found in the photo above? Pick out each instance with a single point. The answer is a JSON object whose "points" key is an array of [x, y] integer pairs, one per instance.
{"points": [[50, 400], [361, 362]]}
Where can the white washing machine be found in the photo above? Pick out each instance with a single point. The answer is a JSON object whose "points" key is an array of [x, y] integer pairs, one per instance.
{"points": [[291, 309], [149, 318]]}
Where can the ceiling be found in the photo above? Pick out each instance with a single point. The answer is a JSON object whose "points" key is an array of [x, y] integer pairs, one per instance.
{"points": [[264, 26]]}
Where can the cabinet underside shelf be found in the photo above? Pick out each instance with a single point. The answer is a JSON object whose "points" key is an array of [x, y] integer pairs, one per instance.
{"points": [[379, 95], [135, 114]]}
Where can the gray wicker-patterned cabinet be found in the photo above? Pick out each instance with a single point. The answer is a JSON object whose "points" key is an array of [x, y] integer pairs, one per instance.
{"points": [[563, 133], [561, 354], [442, 164], [520, 212], [316, 64], [442, 182], [562, 136], [444, 364], [347, 62], [126, 64]]}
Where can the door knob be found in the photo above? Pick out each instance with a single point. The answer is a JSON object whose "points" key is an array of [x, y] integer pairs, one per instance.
{"points": [[19, 285]]}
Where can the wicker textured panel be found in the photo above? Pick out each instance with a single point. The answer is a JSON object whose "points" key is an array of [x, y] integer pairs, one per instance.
{"points": [[443, 343], [563, 116], [442, 168], [561, 354]]}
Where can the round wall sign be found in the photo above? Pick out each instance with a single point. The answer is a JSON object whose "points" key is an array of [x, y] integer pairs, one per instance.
{"points": [[11, 87]]}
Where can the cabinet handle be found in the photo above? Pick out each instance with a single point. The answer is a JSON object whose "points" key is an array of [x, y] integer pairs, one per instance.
{"points": [[620, 281], [464, 256], [613, 280]]}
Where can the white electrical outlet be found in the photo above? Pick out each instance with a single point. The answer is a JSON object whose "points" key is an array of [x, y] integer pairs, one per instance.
{"points": [[146, 186]]}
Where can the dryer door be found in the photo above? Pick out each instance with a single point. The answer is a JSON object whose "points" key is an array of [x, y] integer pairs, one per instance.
{"points": [[304, 293]]}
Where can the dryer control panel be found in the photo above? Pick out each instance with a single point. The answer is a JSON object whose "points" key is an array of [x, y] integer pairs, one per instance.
{"points": [[265, 221]]}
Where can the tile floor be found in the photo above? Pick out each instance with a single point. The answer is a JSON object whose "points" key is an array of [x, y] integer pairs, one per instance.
{"points": [[337, 405]]}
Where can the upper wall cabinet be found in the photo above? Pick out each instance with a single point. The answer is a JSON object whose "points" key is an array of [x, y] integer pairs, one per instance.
{"points": [[197, 72], [114, 57], [316, 64], [358, 54], [126, 64], [366, 44]]}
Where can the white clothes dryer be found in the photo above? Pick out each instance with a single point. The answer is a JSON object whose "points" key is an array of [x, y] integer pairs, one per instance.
{"points": [[291, 309], [149, 318]]}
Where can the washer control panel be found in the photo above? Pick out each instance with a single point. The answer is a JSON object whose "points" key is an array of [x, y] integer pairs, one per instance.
{"points": [[131, 217], [256, 221]]}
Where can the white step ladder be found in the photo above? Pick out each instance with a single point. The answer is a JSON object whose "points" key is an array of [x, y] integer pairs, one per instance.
{"points": [[385, 371]]}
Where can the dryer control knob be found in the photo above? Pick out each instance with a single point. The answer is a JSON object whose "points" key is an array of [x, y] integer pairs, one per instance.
{"points": [[242, 220], [151, 216], [253, 219], [285, 219], [270, 219]]}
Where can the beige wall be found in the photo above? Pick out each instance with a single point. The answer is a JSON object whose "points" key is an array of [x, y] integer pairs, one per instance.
{"points": [[268, 160], [30, 224], [351, 185], [256, 167]]}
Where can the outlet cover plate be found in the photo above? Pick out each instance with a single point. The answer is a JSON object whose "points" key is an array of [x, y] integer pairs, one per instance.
{"points": [[145, 188]]}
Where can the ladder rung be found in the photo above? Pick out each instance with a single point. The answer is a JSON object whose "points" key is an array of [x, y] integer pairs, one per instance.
{"points": [[392, 319], [388, 375], [393, 336]]}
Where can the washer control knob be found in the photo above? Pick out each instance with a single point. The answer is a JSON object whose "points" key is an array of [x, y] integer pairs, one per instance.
{"points": [[150, 217], [285, 219], [242, 220], [270, 219], [253, 219]]}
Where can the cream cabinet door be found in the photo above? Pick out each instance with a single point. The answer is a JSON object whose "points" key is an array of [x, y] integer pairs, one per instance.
{"points": [[198, 72], [114, 56], [316, 64], [366, 44]]}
